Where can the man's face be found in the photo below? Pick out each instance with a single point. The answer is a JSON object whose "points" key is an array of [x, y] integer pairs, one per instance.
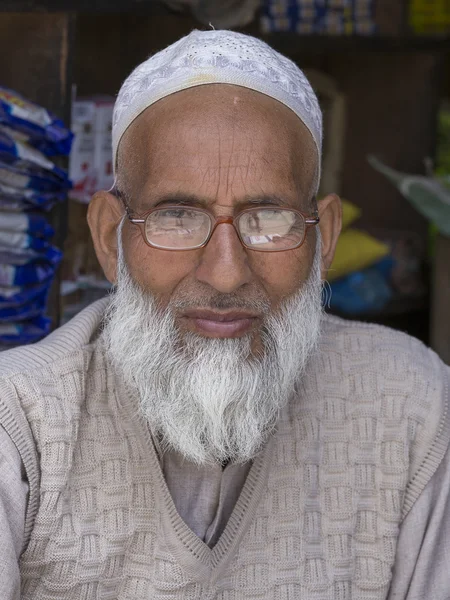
{"points": [[223, 148], [213, 339]]}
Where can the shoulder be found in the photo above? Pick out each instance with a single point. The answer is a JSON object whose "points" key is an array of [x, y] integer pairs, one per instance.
{"points": [[40, 381], [387, 355], [61, 346], [398, 380]]}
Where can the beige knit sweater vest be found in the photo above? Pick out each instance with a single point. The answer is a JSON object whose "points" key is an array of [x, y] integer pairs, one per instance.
{"points": [[318, 517]]}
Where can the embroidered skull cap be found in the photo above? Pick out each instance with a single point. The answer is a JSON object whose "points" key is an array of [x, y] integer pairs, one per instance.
{"points": [[207, 57]]}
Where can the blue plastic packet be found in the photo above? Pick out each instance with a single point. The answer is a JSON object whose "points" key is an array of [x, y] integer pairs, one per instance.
{"points": [[27, 274], [363, 292], [24, 256], [47, 148], [44, 130], [18, 206], [26, 267], [13, 334], [9, 195], [35, 179], [26, 311], [22, 241], [34, 224], [21, 155], [13, 296]]}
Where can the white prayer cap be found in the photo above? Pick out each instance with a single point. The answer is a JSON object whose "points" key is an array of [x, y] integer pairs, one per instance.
{"points": [[205, 57]]}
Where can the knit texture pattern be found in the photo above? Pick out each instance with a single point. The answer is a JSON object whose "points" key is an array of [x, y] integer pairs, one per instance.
{"points": [[318, 517]]}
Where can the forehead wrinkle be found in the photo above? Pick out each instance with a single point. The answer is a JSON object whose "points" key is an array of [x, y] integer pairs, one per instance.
{"points": [[253, 109]]}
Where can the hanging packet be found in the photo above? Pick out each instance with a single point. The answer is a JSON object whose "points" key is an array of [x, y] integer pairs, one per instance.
{"points": [[24, 256], [21, 155], [26, 267], [21, 241], [25, 178], [27, 274], [34, 224], [43, 129], [13, 296], [24, 333], [26, 311], [10, 195]]}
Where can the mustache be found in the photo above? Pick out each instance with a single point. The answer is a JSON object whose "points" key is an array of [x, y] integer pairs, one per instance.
{"points": [[221, 302]]}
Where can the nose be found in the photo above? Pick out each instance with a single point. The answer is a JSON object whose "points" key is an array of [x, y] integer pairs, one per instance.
{"points": [[224, 261]]}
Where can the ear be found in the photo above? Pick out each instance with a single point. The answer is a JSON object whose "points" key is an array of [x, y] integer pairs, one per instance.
{"points": [[104, 215], [330, 213]]}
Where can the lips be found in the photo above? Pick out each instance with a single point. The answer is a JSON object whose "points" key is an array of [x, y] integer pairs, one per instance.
{"points": [[220, 324]]}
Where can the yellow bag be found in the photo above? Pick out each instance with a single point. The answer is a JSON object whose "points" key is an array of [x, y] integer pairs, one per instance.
{"points": [[350, 213], [355, 250]]}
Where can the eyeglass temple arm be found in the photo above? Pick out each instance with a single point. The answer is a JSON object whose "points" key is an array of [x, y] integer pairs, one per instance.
{"points": [[313, 220], [128, 210]]}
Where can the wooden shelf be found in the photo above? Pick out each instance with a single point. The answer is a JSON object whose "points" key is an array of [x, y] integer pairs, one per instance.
{"points": [[83, 6], [321, 44]]}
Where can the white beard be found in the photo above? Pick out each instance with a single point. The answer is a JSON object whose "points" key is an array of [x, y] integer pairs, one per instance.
{"points": [[212, 400]]}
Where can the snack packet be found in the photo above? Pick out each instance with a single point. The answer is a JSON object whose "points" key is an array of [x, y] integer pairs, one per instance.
{"points": [[26, 311], [21, 155], [44, 130], [34, 224], [12, 296], [22, 241], [10, 195], [23, 256], [9, 205], [25, 178], [26, 267], [14, 334], [27, 274]]}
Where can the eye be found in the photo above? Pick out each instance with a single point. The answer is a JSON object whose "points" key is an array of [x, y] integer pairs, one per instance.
{"points": [[174, 213], [271, 214]]}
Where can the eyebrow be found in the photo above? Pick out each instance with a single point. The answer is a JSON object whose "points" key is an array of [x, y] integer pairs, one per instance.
{"points": [[191, 199]]}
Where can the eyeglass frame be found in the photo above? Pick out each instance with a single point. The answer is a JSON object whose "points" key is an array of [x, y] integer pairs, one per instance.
{"points": [[309, 220]]}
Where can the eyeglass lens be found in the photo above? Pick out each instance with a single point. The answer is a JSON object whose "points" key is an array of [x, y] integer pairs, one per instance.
{"points": [[261, 229]]}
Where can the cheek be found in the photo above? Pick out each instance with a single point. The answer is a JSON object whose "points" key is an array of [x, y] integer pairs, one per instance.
{"points": [[282, 273], [156, 271]]}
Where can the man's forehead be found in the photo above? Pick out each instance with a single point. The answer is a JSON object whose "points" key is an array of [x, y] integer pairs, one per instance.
{"points": [[217, 127]]}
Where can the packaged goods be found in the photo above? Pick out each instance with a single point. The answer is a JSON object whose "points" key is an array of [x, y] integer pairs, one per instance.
{"points": [[28, 199], [23, 312], [24, 256], [21, 155], [21, 267], [32, 223], [341, 17], [90, 163], [30, 184], [27, 332], [350, 213], [13, 296], [363, 292], [355, 251], [19, 206], [30, 178], [22, 241], [429, 16], [43, 129], [29, 273]]}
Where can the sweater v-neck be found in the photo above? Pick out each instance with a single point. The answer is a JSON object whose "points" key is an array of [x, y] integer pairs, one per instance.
{"points": [[204, 564]]}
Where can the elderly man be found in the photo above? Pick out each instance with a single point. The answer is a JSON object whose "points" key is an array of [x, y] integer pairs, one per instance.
{"points": [[207, 432]]}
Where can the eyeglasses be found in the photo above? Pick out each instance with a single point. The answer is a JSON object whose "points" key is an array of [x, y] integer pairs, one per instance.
{"points": [[264, 229]]}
